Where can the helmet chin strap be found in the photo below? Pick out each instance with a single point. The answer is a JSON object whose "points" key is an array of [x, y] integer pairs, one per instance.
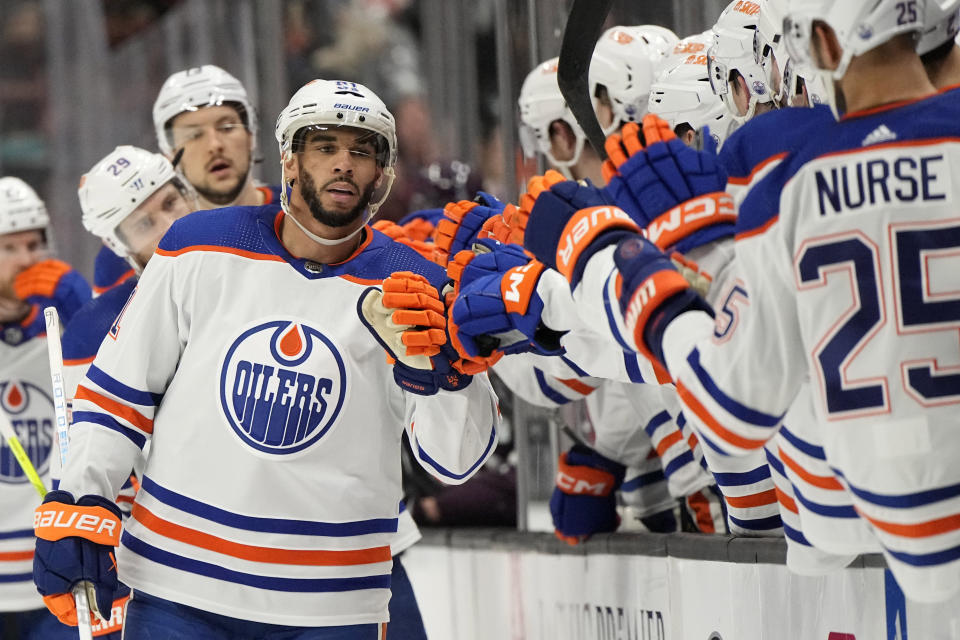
{"points": [[326, 241]]}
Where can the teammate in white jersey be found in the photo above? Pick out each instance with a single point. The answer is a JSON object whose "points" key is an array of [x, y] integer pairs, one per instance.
{"points": [[29, 281], [850, 274], [206, 122], [269, 499]]}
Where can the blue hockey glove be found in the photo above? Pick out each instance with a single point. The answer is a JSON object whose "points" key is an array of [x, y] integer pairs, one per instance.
{"points": [[659, 181], [652, 294], [497, 308], [461, 223], [584, 500], [568, 223], [408, 319], [47, 283], [75, 543]]}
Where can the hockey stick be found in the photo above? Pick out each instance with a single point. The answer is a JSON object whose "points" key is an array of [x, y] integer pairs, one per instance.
{"points": [[83, 593], [580, 35], [10, 435]]}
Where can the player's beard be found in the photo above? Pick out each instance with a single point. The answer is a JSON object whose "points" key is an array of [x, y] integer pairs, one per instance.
{"points": [[311, 195], [223, 198]]}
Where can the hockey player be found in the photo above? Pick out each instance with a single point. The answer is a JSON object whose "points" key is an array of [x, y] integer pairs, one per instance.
{"points": [[877, 381], [207, 126], [937, 44], [128, 199], [736, 74], [270, 495], [621, 71], [29, 281], [682, 96]]}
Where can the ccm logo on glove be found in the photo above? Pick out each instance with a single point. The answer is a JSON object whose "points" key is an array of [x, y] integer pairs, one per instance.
{"points": [[93, 523], [594, 482], [684, 219], [583, 228], [519, 284]]}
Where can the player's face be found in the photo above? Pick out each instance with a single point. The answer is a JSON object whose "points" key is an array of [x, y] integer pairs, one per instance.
{"points": [[142, 230], [216, 152], [337, 173], [18, 251], [741, 96]]}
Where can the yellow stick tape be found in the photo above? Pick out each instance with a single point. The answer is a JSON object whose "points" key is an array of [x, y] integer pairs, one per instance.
{"points": [[26, 465]]}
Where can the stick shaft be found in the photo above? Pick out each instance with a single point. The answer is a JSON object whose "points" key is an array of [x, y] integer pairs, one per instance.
{"points": [[55, 356]]}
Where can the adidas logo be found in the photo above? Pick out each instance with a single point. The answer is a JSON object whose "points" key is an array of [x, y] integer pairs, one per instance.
{"points": [[880, 134]]}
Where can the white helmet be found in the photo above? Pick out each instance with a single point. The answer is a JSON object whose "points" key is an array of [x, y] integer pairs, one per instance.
{"points": [[732, 50], [860, 25], [769, 48], [196, 88], [624, 65], [338, 103], [116, 186], [541, 104], [940, 24], [21, 209], [660, 37], [682, 95], [694, 46]]}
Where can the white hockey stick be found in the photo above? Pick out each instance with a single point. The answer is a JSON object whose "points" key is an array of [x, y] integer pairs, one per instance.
{"points": [[82, 592]]}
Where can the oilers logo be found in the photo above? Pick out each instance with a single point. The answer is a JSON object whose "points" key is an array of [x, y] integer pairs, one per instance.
{"points": [[31, 412], [282, 386]]}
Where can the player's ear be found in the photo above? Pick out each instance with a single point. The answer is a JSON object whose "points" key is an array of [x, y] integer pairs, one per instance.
{"points": [[562, 140], [291, 167], [826, 48]]}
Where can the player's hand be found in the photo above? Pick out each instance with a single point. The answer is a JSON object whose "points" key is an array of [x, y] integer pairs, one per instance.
{"points": [[461, 223], [516, 220], [399, 234], [584, 500], [652, 294], [50, 283], [569, 222], [67, 555], [407, 319], [496, 310], [650, 172]]}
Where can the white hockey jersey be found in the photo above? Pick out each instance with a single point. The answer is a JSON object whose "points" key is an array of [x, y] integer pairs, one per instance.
{"points": [[851, 281], [272, 485], [25, 397]]}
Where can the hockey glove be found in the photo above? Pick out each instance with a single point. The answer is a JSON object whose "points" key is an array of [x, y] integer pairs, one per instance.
{"points": [[584, 501], [497, 307], [652, 294], [517, 219], [75, 543], [46, 283], [399, 234], [675, 192], [407, 319], [569, 222], [461, 223]]}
